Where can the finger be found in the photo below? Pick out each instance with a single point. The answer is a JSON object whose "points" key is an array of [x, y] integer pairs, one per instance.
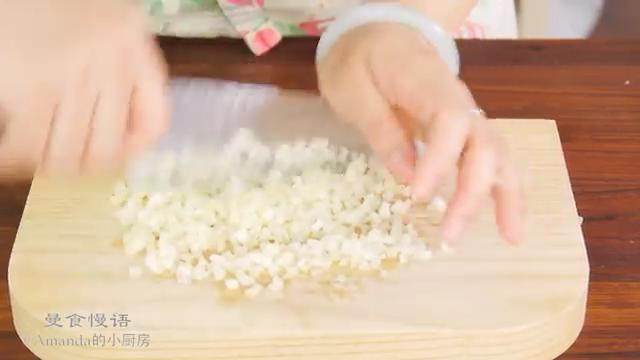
{"points": [[389, 139], [475, 180], [510, 205], [26, 129], [438, 104], [371, 113], [430, 89], [4, 118], [149, 112], [445, 141], [105, 147], [69, 127]]}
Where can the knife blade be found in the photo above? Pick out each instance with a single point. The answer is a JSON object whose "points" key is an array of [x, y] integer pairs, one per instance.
{"points": [[206, 113]]}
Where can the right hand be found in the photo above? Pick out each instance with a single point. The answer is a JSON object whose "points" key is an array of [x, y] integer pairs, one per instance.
{"points": [[393, 86], [82, 85]]}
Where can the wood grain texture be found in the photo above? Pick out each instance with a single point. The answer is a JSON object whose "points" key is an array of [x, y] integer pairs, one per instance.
{"points": [[528, 301], [581, 84]]}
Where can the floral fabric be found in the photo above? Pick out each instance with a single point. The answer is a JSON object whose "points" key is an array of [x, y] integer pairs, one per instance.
{"points": [[263, 23]]}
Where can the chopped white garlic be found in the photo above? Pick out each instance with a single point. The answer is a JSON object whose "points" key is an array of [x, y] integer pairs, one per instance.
{"points": [[136, 239], [253, 291], [276, 284], [300, 210], [231, 284], [183, 274]]}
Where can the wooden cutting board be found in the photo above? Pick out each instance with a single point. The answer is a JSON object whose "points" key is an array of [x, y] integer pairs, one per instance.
{"points": [[485, 300]]}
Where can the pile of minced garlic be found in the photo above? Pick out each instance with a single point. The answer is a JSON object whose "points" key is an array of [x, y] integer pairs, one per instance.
{"points": [[268, 215]]}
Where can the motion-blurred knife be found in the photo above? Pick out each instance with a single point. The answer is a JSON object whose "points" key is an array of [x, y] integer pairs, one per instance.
{"points": [[207, 113]]}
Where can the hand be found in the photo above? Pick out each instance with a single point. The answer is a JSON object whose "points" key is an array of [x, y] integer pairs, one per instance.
{"points": [[389, 82], [82, 85]]}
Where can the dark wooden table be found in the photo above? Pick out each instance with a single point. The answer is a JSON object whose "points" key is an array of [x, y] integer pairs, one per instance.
{"points": [[592, 88]]}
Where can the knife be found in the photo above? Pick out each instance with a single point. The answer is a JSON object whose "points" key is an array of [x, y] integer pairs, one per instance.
{"points": [[206, 113]]}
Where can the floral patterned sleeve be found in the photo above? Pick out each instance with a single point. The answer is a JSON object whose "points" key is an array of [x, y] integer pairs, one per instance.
{"points": [[262, 29], [263, 23], [249, 19], [188, 18]]}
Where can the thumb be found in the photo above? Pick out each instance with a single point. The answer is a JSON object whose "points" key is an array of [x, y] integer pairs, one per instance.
{"points": [[149, 113], [364, 106]]}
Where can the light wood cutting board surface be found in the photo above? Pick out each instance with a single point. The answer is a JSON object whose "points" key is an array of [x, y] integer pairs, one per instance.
{"points": [[485, 300]]}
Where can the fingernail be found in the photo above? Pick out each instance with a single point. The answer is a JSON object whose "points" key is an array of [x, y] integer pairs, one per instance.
{"points": [[400, 166], [446, 247], [419, 193], [513, 237]]}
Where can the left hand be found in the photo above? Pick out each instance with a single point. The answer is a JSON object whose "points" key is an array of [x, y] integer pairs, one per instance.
{"points": [[389, 82]]}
